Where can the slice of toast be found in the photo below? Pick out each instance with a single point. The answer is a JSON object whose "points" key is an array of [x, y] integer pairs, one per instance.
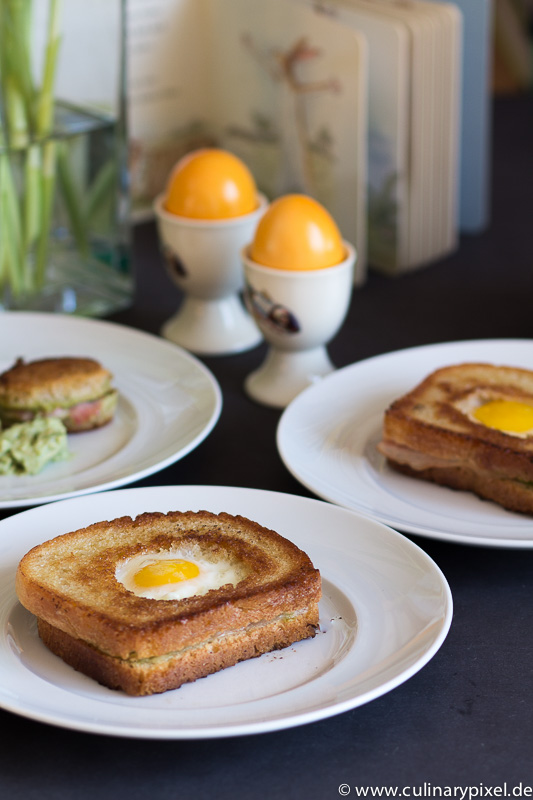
{"points": [[431, 433], [75, 586]]}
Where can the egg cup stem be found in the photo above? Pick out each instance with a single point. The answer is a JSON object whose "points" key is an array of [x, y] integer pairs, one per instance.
{"points": [[283, 375], [213, 327]]}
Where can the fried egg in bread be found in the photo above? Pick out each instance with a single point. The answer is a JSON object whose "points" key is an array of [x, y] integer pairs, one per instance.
{"points": [[178, 573], [499, 412]]}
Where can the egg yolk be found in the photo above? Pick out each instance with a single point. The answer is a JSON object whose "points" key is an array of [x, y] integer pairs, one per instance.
{"points": [[506, 415], [162, 572], [297, 233], [211, 184]]}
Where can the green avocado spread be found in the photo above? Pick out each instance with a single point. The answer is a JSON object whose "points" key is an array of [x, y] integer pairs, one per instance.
{"points": [[27, 447]]}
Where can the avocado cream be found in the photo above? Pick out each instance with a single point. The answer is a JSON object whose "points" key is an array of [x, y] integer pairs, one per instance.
{"points": [[27, 447]]}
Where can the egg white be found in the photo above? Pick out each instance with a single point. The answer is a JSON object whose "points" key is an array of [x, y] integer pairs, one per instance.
{"points": [[213, 574]]}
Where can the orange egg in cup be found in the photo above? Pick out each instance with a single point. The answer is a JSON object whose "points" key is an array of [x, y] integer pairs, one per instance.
{"points": [[299, 279], [207, 213]]}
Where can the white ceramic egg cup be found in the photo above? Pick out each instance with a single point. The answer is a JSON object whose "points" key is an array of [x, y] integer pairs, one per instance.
{"points": [[203, 259], [298, 313]]}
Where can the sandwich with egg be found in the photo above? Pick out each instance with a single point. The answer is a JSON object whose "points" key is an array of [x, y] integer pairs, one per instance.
{"points": [[144, 605], [77, 391], [467, 426]]}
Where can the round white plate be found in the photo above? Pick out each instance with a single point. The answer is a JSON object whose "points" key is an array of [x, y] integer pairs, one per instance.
{"points": [[385, 612], [327, 439], [169, 402]]}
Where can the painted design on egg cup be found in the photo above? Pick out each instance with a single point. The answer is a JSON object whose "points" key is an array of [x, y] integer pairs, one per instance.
{"points": [[175, 266], [271, 312]]}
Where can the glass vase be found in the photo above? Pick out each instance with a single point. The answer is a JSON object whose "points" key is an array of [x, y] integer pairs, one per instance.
{"points": [[64, 233]]}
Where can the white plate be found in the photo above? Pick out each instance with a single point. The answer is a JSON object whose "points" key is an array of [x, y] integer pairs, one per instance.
{"points": [[169, 402], [385, 612], [327, 439]]}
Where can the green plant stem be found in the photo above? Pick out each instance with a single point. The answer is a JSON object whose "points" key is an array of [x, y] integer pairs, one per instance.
{"points": [[32, 195], [71, 199], [18, 95], [45, 105], [45, 109], [16, 114], [100, 189], [48, 186], [15, 58], [12, 241]]}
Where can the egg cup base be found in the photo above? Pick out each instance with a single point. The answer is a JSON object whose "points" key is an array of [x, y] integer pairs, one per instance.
{"points": [[283, 375], [213, 327]]}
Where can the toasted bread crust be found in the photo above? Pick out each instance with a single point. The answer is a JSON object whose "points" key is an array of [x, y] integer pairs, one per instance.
{"points": [[70, 582], [428, 434], [137, 677], [52, 382]]}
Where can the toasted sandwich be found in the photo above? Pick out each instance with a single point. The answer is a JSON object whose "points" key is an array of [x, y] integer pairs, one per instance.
{"points": [[469, 427], [144, 605], [77, 391]]}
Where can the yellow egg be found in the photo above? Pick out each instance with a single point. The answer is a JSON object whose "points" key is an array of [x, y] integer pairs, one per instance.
{"points": [[509, 416], [211, 183], [161, 573], [297, 233]]}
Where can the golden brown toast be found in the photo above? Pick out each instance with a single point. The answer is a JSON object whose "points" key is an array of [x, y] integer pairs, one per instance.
{"points": [[431, 433], [77, 390], [144, 645]]}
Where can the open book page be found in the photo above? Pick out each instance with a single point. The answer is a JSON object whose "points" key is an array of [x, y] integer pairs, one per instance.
{"points": [[290, 100], [168, 90]]}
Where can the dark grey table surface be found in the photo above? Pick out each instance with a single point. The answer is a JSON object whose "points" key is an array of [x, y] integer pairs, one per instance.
{"points": [[463, 725]]}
